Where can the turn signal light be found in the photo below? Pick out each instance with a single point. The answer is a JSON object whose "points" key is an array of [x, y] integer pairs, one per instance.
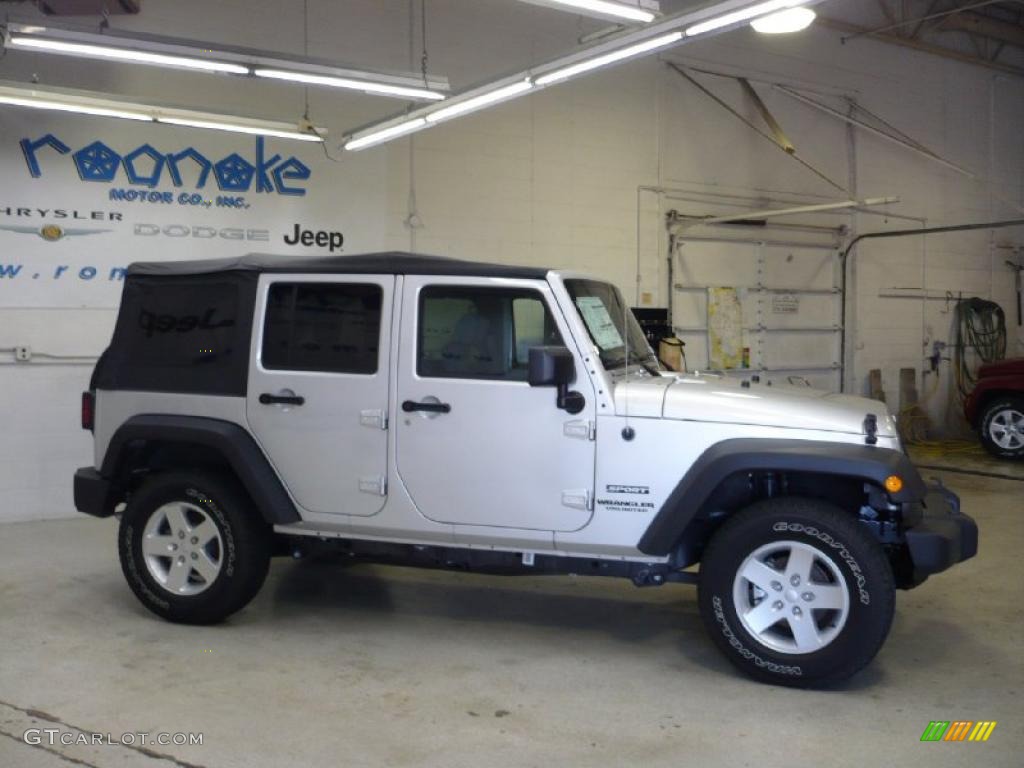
{"points": [[894, 483]]}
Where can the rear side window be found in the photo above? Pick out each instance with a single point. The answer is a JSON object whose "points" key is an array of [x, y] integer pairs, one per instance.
{"points": [[481, 333], [181, 334], [326, 327], [180, 326]]}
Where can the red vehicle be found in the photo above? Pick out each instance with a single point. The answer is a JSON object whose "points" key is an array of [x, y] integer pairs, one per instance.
{"points": [[996, 408]]}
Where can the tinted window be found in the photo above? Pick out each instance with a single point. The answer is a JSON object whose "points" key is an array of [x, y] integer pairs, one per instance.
{"points": [[181, 334], [329, 327], [481, 333], [178, 326]]}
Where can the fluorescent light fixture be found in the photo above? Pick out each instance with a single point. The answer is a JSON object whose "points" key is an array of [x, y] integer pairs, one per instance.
{"points": [[478, 102], [664, 31], [385, 134], [783, 22], [609, 58], [239, 128], [604, 8], [743, 14], [99, 105], [124, 54], [80, 109], [367, 86], [204, 57]]}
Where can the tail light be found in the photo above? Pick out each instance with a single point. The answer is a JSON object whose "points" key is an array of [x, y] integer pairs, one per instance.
{"points": [[88, 410]]}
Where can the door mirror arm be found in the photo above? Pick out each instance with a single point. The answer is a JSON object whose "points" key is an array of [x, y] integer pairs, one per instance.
{"points": [[555, 367], [570, 401]]}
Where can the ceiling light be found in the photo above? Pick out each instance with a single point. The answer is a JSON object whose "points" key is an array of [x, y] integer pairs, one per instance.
{"points": [[203, 57], [81, 109], [385, 134], [604, 8], [100, 105], [744, 14], [790, 20], [366, 86], [665, 31], [601, 61], [478, 102], [240, 128], [124, 54]]}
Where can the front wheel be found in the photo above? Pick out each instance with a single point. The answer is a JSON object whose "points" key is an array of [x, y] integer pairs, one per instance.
{"points": [[1002, 427], [796, 592], [192, 547]]}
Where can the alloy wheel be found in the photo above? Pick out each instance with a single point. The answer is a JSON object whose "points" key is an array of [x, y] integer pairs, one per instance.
{"points": [[182, 548], [791, 597]]}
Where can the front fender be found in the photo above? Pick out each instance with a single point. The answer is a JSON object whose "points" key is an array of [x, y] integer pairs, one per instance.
{"points": [[988, 387], [729, 457]]}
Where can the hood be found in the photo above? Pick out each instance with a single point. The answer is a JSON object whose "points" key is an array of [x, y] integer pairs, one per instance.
{"points": [[721, 399], [1012, 367]]}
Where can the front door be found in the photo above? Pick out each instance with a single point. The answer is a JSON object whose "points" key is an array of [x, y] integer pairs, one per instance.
{"points": [[477, 445], [318, 387]]}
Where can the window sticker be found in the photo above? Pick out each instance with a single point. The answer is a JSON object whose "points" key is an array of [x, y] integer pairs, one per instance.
{"points": [[600, 323]]}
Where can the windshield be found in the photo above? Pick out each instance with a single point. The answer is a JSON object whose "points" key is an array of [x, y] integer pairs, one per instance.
{"points": [[610, 324]]}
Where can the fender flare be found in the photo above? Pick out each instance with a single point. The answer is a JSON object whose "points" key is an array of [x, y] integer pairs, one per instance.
{"points": [[729, 457], [231, 441]]}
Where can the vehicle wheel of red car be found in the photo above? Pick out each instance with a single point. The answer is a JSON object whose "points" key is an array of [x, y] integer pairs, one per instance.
{"points": [[1002, 427]]}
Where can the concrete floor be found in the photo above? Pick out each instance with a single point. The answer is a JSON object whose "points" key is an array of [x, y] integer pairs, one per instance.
{"points": [[374, 666]]}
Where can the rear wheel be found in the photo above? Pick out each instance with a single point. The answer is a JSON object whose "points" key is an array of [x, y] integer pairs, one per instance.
{"points": [[796, 592], [192, 547], [1002, 427]]}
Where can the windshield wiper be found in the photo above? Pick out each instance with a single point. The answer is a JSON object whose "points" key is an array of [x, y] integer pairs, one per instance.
{"points": [[618, 362]]}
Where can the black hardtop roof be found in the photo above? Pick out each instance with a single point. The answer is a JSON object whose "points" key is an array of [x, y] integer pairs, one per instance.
{"points": [[388, 263]]}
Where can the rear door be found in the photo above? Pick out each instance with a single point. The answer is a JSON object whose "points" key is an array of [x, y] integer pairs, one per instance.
{"points": [[318, 387], [477, 445]]}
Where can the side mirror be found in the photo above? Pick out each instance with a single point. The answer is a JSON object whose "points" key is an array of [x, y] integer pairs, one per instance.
{"points": [[554, 367]]}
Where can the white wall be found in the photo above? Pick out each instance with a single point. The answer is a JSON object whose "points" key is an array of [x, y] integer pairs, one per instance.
{"points": [[551, 179]]}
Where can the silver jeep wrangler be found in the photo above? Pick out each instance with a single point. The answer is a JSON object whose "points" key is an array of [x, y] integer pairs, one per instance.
{"points": [[450, 414]]}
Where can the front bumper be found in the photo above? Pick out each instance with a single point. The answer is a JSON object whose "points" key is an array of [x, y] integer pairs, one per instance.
{"points": [[94, 494], [941, 535]]}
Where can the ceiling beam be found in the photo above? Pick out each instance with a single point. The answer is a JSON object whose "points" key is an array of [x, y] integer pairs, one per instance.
{"points": [[920, 45], [986, 26], [920, 19]]}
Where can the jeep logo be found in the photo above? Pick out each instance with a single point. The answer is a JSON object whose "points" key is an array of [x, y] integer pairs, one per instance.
{"points": [[321, 239], [152, 323]]}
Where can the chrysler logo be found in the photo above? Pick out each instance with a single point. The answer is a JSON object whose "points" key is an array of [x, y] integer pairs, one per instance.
{"points": [[51, 233]]}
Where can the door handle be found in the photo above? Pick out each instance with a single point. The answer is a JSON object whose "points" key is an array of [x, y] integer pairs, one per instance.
{"points": [[411, 405], [268, 399]]}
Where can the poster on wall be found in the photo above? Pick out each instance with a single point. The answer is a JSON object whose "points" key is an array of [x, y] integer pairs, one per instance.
{"points": [[84, 197], [725, 329]]}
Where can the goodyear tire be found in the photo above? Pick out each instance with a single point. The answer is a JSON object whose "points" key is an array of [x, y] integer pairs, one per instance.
{"points": [[192, 547], [1002, 427], [796, 592]]}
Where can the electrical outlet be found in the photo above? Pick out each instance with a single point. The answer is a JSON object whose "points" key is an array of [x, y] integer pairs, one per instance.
{"points": [[23, 354]]}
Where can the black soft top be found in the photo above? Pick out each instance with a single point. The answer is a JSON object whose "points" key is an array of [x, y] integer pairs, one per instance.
{"points": [[388, 263]]}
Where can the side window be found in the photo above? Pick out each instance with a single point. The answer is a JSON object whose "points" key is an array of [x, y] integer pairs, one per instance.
{"points": [[481, 333], [328, 327]]}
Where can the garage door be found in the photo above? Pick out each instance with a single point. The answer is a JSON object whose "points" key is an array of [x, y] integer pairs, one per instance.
{"points": [[770, 305]]}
